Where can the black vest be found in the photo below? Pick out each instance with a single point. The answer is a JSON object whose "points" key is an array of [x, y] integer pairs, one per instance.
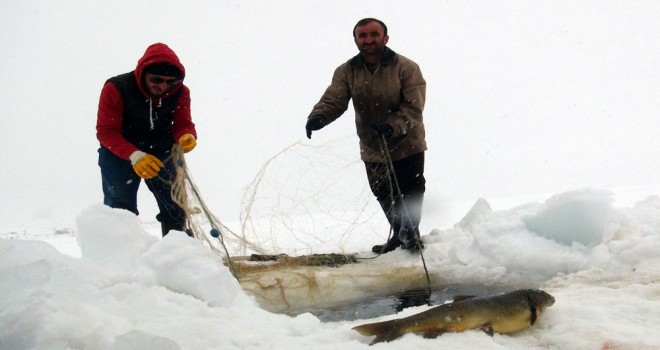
{"points": [[149, 129]]}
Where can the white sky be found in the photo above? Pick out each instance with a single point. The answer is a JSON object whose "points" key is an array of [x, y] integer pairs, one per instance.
{"points": [[524, 99]]}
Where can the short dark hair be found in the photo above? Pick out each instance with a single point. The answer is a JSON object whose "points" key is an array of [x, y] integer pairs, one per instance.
{"points": [[366, 21]]}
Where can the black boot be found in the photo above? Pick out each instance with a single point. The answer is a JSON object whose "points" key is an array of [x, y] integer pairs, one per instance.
{"points": [[410, 237], [413, 245], [391, 244], [167, 227], [411, 215]]}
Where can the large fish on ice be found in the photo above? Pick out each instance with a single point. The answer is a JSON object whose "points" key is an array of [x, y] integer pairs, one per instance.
{"points": [[504, 313]]}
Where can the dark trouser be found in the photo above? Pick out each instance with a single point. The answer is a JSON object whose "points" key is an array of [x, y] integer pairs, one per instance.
{"points": [[404, 210], [120, 187]]}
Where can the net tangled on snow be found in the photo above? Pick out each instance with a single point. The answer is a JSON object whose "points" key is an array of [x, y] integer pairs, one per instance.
{"points": [[306, 207], [305, 200], [200, 219]]}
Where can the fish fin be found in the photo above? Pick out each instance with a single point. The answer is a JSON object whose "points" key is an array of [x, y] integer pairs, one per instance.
{"points": [[384, 331], [488, 329], [433, 333], [532, 309], [462, 297]]}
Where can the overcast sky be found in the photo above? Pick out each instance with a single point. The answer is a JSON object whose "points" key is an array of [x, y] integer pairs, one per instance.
{"points": [[524, 99]]}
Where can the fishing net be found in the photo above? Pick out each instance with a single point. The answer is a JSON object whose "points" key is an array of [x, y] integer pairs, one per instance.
{"points": [[305, 213], [307, 205]]}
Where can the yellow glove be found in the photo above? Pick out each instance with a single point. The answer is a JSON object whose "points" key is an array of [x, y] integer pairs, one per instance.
{"points": [[187, 142], [145, 165]]}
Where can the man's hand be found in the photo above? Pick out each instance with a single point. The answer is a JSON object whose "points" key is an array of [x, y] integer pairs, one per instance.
{"points": [[385, 130], [145, 165], [315, 122], [187, 142]]}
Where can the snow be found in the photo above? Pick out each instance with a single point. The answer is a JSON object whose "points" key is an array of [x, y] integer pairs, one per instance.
{"points": [[542, 169], [130, 290]]}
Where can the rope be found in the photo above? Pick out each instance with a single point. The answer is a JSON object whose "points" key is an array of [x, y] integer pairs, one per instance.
{"points": [[390, 165], [183, 188], [180, 186]]}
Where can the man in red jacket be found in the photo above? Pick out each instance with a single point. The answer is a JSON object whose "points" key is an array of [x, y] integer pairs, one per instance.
{"points": [[141, 115]]}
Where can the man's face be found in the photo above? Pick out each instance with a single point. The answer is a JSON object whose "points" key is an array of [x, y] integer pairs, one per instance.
{"points": [[159, 84], [370, 39]]}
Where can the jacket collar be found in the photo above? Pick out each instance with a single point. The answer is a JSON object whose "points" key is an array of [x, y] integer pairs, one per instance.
{"points": [[387, 57]]}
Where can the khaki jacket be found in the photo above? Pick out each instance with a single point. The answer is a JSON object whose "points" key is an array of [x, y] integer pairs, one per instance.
{"points": [[394, 93]]}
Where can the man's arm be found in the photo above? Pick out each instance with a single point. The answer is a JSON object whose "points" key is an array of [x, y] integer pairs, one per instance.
{"points": [[413, 98], [182, 118], [334, 101], [109, 123]]}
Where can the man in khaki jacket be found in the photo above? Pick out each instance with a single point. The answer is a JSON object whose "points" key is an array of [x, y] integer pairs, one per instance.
{"points": [[388, 93]]}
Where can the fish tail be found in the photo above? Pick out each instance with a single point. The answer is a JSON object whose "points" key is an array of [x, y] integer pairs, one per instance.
{"points": [[384, 331]]}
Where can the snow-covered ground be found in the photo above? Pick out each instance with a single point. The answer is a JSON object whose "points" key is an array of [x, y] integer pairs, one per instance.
{"points": [[132, 290]]}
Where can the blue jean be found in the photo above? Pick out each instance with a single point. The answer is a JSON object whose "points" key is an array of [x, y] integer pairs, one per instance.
{"points": [[120, 186]]}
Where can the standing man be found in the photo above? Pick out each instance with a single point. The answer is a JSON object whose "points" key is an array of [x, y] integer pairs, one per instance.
{"points": [[388, 93], [141, 115]]}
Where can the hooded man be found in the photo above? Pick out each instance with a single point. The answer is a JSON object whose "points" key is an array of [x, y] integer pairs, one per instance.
{"points": [[141, 115]]}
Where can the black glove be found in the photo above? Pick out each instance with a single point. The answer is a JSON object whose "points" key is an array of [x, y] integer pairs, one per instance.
{"points": [[385, 130], [315, 122]]}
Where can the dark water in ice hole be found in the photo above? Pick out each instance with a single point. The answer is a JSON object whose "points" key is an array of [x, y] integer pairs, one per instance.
{"points": [[393, 304]]}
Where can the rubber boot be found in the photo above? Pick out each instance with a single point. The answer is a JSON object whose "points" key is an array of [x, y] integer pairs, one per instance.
{"points": [[410, 218], [391, 244], [411, 237], [167, 227]]}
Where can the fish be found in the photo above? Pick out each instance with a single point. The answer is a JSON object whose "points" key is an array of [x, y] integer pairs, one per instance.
{"points": [[504, 313]]}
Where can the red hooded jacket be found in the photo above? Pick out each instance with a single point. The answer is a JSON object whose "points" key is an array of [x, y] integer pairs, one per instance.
{"points": [[130, 119]]}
